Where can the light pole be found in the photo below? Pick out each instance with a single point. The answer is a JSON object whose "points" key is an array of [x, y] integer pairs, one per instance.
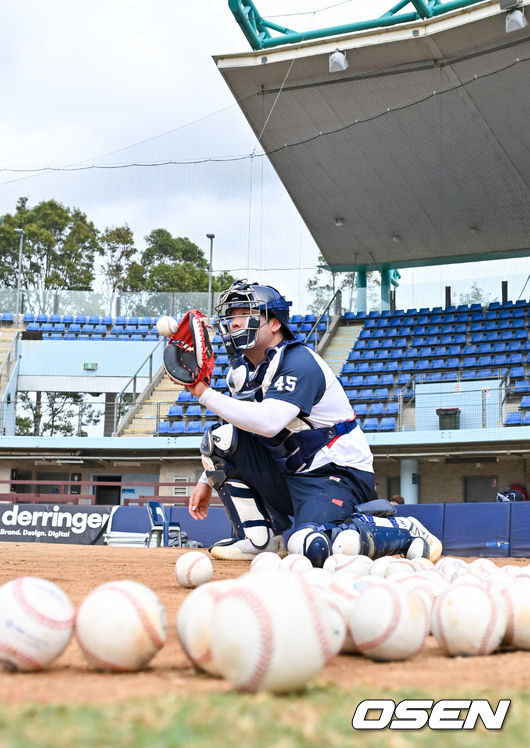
{"points": [[211, 237], [20, 233]]}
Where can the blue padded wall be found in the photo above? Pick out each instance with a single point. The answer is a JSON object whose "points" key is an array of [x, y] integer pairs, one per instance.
{"points": [[520, 529], [477, 529], [430, 515]]}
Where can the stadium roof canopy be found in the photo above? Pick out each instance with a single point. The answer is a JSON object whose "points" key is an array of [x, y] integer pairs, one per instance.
{"points": [[417, 154]]}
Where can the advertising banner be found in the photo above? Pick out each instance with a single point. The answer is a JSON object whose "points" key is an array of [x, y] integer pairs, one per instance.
{"points": [[53, 523]]}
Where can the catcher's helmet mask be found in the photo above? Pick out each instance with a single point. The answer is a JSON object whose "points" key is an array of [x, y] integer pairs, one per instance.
{"points": [[260, 301]]}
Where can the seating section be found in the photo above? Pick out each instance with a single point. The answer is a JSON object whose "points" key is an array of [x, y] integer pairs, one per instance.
{"points": [[397, 350], [92, 327]]}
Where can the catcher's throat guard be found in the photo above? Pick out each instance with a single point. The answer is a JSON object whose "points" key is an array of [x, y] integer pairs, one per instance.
{"points": [[188, 356]]}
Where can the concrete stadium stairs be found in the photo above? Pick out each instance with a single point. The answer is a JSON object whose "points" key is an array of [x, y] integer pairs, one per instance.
{"points": [[155, 407], [338, 349]]}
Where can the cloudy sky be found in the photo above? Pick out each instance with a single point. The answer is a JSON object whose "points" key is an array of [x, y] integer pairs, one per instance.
{"points": [[113, 82]]}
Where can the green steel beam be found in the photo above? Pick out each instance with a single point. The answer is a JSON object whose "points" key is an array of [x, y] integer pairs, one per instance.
{"points": [[427, 262], [257, 29]]}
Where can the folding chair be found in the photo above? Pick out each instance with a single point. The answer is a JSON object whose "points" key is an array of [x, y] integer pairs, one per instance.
{"points": [[160, 525]]}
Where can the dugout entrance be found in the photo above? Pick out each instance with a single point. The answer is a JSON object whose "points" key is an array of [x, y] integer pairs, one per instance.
{"points": [[108, 495]]}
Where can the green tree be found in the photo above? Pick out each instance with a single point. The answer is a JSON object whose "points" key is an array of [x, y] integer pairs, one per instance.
{"points": [[476, 295], [54, 414], [118, 251], [169, 266], [60, 244]]}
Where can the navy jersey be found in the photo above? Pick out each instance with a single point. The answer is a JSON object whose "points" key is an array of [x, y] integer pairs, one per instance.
{"points": [[297, 375]]}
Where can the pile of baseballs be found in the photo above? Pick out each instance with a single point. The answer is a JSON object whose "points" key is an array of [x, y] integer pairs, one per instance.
{"points": [[119, 625], [276, 627]]}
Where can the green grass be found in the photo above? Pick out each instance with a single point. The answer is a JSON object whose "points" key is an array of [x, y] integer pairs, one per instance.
{"points": [[320, 717]]}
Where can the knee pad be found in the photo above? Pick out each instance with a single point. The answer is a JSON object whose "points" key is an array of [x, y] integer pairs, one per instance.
{"points": [[244, 512], [218, 443], [310, 541], [376, 538]]}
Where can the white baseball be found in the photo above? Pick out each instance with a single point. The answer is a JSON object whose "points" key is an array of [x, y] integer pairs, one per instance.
{"points": [[166, 326], [193, 568], [36, 623], [194, 624], [449, 566], [468, 619], [120, 626], [400, 567], [388, 622], [319, 577], [357, 566], [380, 565], [295, 563], [422, 564], [343, 591], [520, 593], [274, 632], [266, 561]]}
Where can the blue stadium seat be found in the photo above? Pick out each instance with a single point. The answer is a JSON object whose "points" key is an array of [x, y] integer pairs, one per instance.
{"points": [[391, 366], [194, 427], [526, 418], [381, 393], [123, 337], [469, 374], [376, 409], [54, 318], [364, 395], [163, 427], [136, 337], [450, 376], [59, 327], [94, 319], [184, 396], [193, 411], [485, 361], [387, 380], [74, 327], [87, 328], [96, 336], [361, 409], [106, 320], [514, 419], [388, 423], [83, 336], [100, 329], [28, 317], [370, 424], [110, 336], [46, 327], [515, 358], [392, 409], [120, 321], [351, 394], [133, 321], [116, 329], [297, 318], [80, 319], [41, 318], [517, 372], [210, 424], [525, 402], [130, 329], [145, 321], [55, 336], [376, 367], [178, 427]]}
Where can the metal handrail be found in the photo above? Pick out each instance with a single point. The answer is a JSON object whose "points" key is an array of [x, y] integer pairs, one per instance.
{"points": [[337, 296], [5, 371], [133, 380]]}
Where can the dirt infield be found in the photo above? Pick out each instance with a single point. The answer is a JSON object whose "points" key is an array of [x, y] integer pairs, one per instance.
{"points": [[78, 569]]}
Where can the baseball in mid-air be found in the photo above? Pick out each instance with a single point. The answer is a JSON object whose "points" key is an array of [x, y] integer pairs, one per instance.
{"points": [[166, 326]]}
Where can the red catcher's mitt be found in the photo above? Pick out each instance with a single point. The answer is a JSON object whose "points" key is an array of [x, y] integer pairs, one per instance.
{"points": [[188, 356]]}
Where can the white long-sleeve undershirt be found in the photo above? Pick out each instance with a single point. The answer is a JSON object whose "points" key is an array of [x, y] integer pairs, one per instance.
{"points": [[266, 418]]}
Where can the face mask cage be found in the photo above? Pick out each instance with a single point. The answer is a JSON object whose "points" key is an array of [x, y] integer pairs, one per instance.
{"points": [[246, 335]]}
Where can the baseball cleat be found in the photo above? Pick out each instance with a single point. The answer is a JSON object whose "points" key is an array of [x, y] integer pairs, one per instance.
{"points": [[245, 550], [431, 545]]}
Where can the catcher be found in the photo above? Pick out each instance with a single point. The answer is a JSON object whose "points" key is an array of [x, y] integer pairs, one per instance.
{"points": [[291, 445]]}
